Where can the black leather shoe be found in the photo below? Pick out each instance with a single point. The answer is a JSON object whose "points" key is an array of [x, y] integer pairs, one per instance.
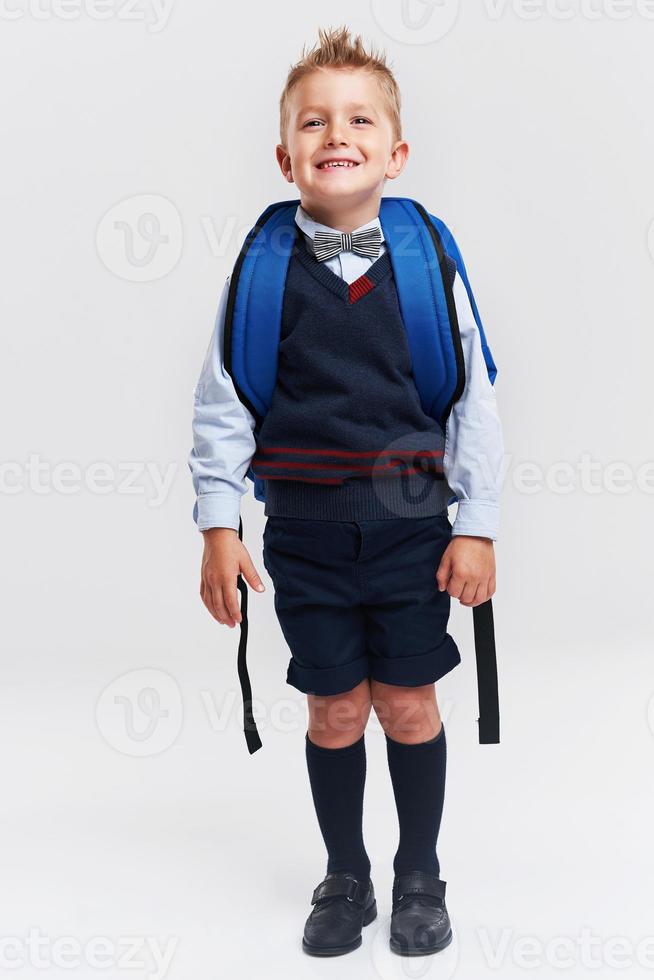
{"points": [[419, 920], [343, 904]]}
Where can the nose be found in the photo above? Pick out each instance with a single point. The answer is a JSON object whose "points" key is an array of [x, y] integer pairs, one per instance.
{"points": [[334, 135]]}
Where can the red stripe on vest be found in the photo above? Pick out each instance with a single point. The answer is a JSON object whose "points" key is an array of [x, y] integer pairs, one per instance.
{"points": [[348, 454], [360, 468], [359, 288]]}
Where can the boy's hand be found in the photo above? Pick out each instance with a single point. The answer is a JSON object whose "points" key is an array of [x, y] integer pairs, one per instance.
{"points": [[224, 557], [467, 569]]}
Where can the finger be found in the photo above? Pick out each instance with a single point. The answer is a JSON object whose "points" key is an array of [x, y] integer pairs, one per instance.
{"points": [[230, 598], [456, 585], [251, 576], [223, 598], [205, 592], [491, 587], [480, 594], [468, 592], [484, 594], [443, 573], [211, 593]]}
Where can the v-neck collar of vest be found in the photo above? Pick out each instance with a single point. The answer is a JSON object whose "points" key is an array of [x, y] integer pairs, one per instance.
{"points": [[348, 292]]}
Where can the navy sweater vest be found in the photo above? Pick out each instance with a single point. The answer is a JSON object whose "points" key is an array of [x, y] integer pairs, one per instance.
{"points": [[346, 437]]}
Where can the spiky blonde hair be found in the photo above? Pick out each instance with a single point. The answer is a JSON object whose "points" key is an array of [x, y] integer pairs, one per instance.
{"points": [[335, 49]]}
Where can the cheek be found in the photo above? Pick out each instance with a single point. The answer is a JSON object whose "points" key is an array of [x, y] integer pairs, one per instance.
{"points": [[373, 149], [304, 159], [377, 158]]}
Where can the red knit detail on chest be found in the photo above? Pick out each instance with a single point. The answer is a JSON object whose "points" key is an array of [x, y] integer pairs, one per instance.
{"points": [[359, 288]]}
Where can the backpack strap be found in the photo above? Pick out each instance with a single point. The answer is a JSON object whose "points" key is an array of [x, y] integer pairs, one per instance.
{"points": [[423, 278], [252, 737], [487, 691], [253, 314], [453, 252]]}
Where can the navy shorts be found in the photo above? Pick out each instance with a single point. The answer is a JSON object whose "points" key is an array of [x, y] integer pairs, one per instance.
{"points": [[359, 599]]}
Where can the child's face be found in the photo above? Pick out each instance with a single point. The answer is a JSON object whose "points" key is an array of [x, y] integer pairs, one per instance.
{"points": [[340, 113]]}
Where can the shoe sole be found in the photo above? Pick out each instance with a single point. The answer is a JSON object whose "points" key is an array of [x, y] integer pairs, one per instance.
{"points": [[368, 916], [403, 950]]}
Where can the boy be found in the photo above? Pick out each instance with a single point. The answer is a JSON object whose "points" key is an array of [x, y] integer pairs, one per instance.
{"points": [[360, 549]]}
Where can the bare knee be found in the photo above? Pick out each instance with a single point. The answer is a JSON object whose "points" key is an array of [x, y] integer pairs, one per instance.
{"points": [[337, 720], [407, 714]]}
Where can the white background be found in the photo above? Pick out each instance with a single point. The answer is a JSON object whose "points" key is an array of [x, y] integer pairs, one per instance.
{"points": [[531, 135]]}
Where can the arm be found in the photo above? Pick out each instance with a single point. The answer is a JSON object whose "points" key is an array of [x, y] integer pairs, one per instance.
{"points": [[472, 463], [223, 438], [474, 447], [223, 446]]}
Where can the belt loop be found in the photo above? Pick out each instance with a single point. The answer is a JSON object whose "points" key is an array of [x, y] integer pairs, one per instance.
{"points": [[360, 542]]}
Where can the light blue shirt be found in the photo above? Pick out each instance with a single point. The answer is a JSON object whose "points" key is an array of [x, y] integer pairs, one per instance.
{"points": [[223, 427]]}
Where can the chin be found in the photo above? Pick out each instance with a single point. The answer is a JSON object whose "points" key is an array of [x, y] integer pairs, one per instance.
{"points": [[339, 188]]}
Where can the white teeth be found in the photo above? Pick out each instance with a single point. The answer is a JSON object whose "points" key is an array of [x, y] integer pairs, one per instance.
{"points": [[324, 166]]}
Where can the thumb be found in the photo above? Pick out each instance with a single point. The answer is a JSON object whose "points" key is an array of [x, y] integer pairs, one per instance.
{"points": [[444, 572], [251, 575]]}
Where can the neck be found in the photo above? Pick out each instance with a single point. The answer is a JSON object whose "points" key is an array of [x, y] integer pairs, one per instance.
{"points": [[342, 217]]}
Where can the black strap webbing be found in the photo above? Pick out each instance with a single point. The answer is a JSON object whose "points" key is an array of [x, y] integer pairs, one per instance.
{"points": [[489, 711], [249, 726]]}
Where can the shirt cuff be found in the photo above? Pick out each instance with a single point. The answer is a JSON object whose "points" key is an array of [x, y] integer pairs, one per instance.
{"points": [[217, 510], [480, 518]]}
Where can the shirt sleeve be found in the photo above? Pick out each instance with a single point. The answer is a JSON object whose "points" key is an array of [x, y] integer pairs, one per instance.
{"points": [[223, 437], [474, 447]]}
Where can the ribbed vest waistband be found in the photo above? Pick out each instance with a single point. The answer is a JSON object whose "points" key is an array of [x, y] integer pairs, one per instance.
{"points": [[360, 499]]}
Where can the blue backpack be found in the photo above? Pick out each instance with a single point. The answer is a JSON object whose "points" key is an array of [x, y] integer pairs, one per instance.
{"points": [[422, 252]]}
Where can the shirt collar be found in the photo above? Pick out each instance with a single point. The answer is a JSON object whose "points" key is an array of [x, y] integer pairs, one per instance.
{"points": [[309, 226]]}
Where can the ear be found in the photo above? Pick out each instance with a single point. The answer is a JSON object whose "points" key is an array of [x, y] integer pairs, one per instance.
{"points": [[398, 159], [284, 161]]}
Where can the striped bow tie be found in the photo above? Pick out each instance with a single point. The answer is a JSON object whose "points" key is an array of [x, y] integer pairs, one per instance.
{"points": [[328, 243]]}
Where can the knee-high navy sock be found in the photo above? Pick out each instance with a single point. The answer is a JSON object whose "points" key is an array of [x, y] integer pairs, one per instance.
{"points": [[418, 776], [337, 778]]}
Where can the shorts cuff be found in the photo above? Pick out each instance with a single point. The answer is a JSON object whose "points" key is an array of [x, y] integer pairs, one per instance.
{"points": [[415, 671], [327, 680]]}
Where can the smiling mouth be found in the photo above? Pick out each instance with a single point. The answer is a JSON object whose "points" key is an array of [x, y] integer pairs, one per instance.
{"points": [[337, 165]]}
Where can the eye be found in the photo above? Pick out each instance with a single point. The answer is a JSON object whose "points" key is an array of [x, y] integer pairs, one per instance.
{"points": [[310, 122]]}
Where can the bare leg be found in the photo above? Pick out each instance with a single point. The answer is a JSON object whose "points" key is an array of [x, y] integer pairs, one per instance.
{"points": [[337, 720], [407, 714]]}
